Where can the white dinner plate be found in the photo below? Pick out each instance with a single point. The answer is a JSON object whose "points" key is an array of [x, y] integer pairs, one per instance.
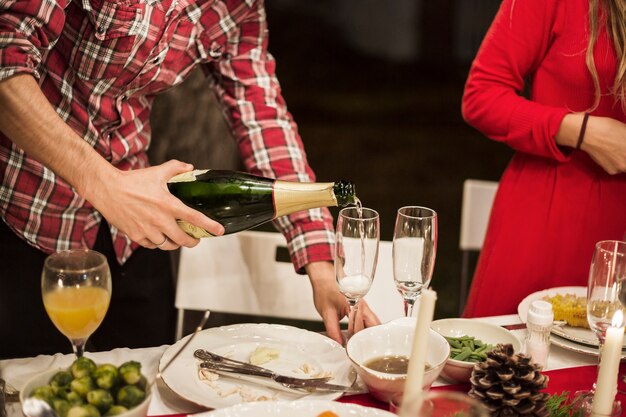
{"points": [[573, 338], [301, 353], [302, 408]]}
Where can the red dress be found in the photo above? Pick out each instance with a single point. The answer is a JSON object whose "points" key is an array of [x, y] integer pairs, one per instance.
{"points": [[553, 204]]}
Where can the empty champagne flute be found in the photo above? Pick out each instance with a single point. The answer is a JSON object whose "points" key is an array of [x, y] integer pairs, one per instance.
{"points": [[76, 291], [606, 292], [414, 251], [356, 255]]}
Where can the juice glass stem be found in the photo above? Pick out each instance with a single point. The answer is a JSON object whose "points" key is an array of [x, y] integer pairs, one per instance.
{"points": [[78, 345]]}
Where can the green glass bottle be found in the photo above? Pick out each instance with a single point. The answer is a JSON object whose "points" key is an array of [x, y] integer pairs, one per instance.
{"points": [[240, 201]]}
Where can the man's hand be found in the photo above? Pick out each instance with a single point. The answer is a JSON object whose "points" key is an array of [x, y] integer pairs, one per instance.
{"points": [[332, 305], [139, 204]]}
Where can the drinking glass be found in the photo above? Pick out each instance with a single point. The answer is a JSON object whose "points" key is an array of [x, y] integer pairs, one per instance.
{"points": [[356, 255], [606, 292], [76, 290], [414, 250], [439, 404]]}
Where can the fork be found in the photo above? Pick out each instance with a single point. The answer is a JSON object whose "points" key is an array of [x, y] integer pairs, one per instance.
{"points": [[294, 383], [235, 365]]}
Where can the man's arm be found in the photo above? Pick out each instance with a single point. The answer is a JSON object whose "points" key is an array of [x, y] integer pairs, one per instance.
{"points": [[136, 202]]}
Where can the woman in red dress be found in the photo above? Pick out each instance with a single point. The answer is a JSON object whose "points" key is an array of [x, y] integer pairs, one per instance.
{"points": [[565, 188]]}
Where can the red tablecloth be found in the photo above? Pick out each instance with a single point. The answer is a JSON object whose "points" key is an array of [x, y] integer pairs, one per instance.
{"points": [[569, 380]]}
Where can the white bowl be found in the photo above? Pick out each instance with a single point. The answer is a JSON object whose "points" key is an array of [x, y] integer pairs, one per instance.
{"points": [[460, 371], [44, 377], [393, 339]]}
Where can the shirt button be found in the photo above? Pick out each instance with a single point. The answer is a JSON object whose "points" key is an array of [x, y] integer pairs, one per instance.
{"points": [[100, 33]]}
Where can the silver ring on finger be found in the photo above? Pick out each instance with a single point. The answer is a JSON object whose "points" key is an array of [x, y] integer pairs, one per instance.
{"points": [[162, 243]]}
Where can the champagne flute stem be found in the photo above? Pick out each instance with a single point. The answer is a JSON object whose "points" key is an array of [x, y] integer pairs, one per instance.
{"points": [[354, 305], [408, 307], [601, 339]]}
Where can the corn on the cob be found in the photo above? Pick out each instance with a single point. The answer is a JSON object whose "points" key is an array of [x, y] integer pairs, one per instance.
{"points": [[570, 308]]}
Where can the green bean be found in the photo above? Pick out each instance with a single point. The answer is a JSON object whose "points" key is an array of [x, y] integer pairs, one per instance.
{"points": [[468, 348]]}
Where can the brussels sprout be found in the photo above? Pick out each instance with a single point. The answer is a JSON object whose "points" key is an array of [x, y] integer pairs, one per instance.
{"points": [[61, 379], [74, 398], [61, 407], [100, 398], [44, 393], [130, 395], [130, 372], [82, 367], [143, 383], [86, 410], [116, 410], [106, 376], [60, 383], [83, 385]]}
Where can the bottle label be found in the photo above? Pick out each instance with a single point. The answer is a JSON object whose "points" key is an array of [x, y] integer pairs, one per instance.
{"points": [[190, 229], [290, 197], [193, 231], [188, 176]]}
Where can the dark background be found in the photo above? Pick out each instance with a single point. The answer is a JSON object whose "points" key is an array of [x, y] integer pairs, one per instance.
{"points": [[375, 87]]}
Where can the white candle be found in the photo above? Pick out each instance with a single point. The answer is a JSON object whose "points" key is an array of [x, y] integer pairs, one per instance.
{"points": [[417, 360], [606, 386]]}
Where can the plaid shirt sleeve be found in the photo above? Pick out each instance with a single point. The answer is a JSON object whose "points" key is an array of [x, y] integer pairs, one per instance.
{"points": [[27, 29], [266, 134]]}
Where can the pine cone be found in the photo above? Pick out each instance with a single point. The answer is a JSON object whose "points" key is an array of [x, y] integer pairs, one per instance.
{"points": [[509, 384]]}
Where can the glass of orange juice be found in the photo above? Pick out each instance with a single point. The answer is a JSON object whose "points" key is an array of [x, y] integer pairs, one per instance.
{"points": [[76, 290]]}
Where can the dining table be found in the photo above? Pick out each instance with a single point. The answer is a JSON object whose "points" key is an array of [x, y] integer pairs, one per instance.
{"points": [[568, 371]]}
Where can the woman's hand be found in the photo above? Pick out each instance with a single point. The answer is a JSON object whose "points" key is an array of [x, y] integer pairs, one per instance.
{"points": [[605, 142], [139, 204], [332, 305]]}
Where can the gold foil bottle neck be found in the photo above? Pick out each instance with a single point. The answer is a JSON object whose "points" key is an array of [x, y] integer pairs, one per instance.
{"points": [[290, 197]]}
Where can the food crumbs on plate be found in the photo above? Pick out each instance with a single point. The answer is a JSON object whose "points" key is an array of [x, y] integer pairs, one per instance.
{"points": [[245, 393], [206, 375], [327, 413], [569, 308], [312, 371], [306, 368], [263, 355]]}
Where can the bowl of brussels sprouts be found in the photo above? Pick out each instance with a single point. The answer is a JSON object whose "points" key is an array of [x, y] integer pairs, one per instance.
{"points": [[87, 389]]}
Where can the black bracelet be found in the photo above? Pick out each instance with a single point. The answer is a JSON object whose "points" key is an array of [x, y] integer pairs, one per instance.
{"points": [[581, 135]]}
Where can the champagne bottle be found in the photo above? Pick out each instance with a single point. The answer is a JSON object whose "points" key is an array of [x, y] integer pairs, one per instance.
{"points": [[240, 201]]}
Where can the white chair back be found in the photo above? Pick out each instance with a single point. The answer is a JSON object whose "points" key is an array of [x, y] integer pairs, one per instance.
{"points": [[478, 198], [239, 274], [475, 211]]}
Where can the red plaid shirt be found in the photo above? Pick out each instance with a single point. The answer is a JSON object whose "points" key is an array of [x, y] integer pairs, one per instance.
{"points": [[101, 62]]}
